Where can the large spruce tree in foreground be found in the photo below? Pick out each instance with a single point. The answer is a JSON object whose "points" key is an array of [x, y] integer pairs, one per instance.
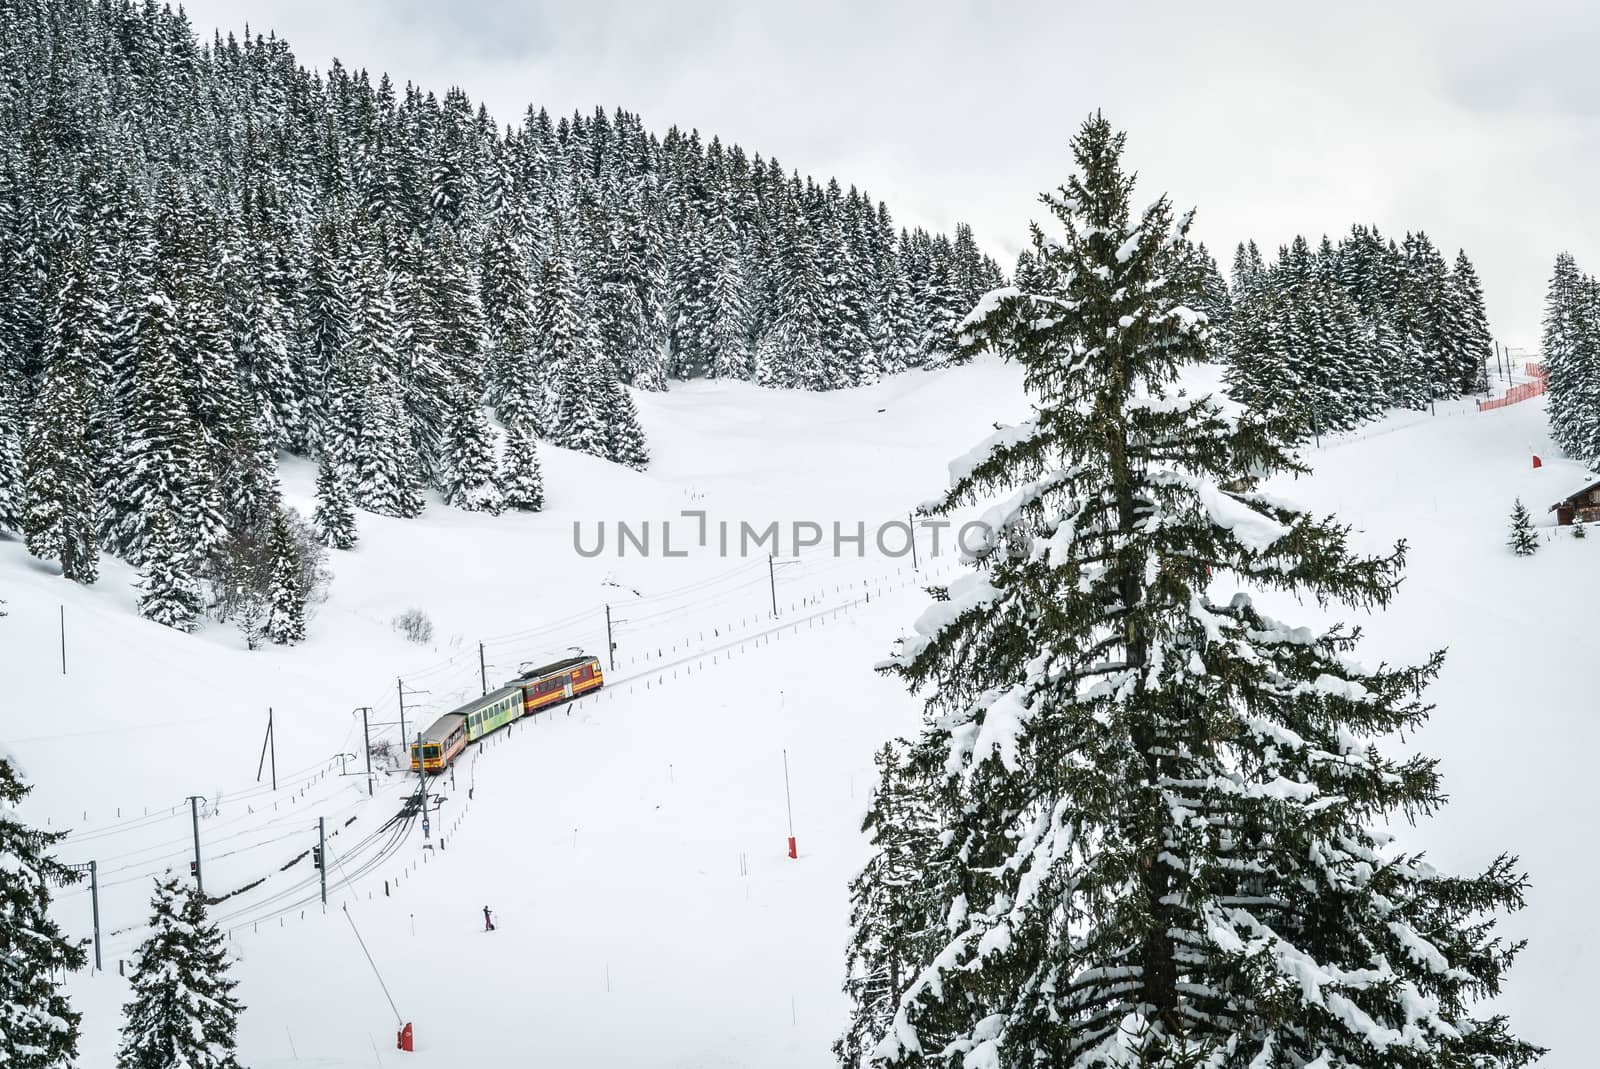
{"points": [[183, 1014], [1161, 810], [37, 1029]]}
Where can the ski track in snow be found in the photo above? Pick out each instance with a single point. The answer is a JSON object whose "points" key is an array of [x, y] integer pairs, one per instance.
{"points": [[632, 847]]}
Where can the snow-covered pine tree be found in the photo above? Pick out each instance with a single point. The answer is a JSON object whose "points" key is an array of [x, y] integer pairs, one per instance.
{"points": [[388, 470], [1567, 373], [581, 406], [286, 612], [1476, 343], [566, 352], [1578, 530], [1571, 355], [38, 1028], [247, 475], [503, 277], [334, 517], [258, 329], [62, 512], [624, 436], [521, 483], [161, 471], [790, 354], [726, 339], [11, 460], [1166, 812], [183, 1012], [1524, 541], [168, 591], [469, 454], [327, 325], [892, 932], [898, 344]]}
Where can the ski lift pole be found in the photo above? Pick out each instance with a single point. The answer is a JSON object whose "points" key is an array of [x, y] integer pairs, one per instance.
{"points": [[788, 802]]}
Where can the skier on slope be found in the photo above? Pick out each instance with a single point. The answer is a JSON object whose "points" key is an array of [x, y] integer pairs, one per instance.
{"points": [[488, 920]]}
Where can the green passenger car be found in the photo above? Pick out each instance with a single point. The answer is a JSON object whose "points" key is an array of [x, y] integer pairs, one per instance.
{"points": [[492, 711]]}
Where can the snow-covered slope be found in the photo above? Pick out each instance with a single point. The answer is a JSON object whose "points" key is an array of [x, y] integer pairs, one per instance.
{"points": [[634, 850]]}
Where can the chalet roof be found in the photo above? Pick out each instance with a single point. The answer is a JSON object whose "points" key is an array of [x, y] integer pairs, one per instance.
{"points": [[1576, 493]]}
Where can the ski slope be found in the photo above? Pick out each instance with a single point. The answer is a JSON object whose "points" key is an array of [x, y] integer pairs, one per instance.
{"points": [[633, 846]]}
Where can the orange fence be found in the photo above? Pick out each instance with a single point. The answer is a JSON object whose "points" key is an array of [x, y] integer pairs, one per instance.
{"points": [[1520, 392]]}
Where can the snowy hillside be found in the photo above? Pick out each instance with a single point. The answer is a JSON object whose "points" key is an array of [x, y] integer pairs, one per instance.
{"points": [[634, 850]]}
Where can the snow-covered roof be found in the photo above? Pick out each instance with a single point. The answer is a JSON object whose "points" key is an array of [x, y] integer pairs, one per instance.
{"points": [[1594, 481]]}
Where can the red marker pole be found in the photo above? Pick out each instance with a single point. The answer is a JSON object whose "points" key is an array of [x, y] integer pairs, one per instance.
{"points": [[788, 802]]}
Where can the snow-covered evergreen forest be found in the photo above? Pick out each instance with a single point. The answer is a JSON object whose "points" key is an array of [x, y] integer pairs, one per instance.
{"points": [[1329, 338], [210, 253], [1571, 353]]}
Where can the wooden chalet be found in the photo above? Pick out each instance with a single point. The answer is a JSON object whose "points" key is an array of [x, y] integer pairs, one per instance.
{"points": [[1583, 505]]}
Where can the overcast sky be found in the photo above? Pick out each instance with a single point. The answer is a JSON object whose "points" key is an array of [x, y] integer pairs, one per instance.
{"points": [[1474, 123]]}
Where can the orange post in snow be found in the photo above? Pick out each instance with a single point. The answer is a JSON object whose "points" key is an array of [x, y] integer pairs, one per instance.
{"points": [[404, 1041]]}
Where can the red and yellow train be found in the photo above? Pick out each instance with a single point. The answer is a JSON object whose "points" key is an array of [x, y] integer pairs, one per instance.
{"points": [[536, 689]]}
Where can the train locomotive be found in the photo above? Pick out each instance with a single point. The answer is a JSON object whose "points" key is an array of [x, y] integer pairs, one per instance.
{"points": [[536, 689]]}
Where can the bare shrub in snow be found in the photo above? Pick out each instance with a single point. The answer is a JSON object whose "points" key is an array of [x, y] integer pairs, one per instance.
{"points": [[384, 753], [414, 625], [238, 573]]}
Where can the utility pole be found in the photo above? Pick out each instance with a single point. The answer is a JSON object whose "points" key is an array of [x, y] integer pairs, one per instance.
{"points": [[772, 583], [194, 815], [400, 685], [483, 671], [611, 645], [366, 744], [269, 745], [422, 786], [911, 525], [64, 642], [93, 869], [94, 900], [322, 856]]}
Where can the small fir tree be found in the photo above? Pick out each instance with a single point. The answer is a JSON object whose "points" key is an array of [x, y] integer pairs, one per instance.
{"points": [[625, 441], [334, 517], [469, 450], [1578, 529], [38, 1029], [521, 483], [389, 471], [892, 931], [1523, 541], [286, 615], [183, 1014], [168, 591]]}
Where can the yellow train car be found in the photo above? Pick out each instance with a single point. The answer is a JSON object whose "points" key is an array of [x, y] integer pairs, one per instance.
{"points": [[440, 743]]}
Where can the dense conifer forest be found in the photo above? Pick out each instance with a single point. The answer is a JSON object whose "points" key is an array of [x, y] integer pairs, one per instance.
{"points": [[1329, 337], [1571, 349], [210, 253]]}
